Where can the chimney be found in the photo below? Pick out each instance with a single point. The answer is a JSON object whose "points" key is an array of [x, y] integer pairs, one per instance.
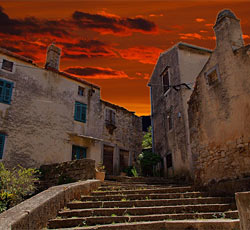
{"points": [[228, 30], [53, 57]]}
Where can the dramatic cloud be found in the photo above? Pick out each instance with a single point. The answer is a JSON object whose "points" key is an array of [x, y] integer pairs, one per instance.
{"points": [[112, 24], [96, 72], [146, 55], [245, 36], [30, 25], [86, 49]]}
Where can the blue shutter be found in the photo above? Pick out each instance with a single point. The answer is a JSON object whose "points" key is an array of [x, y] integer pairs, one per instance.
{"points": [[84, 113], [1, 90], [80, 112], [8, 92], [5, 91], [2, 140]]}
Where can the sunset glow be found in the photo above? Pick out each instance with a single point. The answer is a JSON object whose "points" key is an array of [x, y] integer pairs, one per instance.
{"points": [[113, 44]]}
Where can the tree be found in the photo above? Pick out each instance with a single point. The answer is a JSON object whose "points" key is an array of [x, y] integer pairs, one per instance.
{"points": [[147, 139]]}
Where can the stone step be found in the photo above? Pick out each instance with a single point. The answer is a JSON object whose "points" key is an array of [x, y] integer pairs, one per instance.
{"points": [[149, 203], [146, 191], [147, 210], [144, 196], [131, 187], [168, 219]]}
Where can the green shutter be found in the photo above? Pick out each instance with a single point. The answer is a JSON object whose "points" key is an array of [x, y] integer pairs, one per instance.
{"points": [[5, 91], [80, 112], [2, 140]]}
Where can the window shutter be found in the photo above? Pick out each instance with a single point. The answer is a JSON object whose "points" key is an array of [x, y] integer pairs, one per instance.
{"points": [[107, 115], [1, 90], [8, 92], [84, 113], [2, 139], [113, 117]]}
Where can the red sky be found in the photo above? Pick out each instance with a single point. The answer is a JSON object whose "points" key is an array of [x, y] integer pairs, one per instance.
{"points": [[113, 44]]}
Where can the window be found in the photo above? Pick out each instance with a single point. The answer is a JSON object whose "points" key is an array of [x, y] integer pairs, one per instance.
{"points": [[78, 152], [80, 112], [165, 80], [169, 160], [110, 117], [5, 91], [213, 75], [7, 65], [80, 91], [170, 119], [2, 140]]}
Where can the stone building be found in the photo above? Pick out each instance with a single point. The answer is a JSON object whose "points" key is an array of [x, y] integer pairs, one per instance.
{"points": [[219, 108], [48, 116], [170, 88]]}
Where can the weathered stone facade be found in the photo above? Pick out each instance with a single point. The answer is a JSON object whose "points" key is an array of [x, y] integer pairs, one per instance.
{"points": [[39, 124], [180, 65], [219, 108], [66, 172]]}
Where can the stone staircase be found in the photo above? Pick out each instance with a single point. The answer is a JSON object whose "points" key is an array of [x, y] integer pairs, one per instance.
{"points": [[126, 206]]}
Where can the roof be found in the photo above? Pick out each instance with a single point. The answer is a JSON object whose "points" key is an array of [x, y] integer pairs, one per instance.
{"points": [[72, 77], [184, 45], [181, 45], [116, 107], [19, 57], [22, 58]]}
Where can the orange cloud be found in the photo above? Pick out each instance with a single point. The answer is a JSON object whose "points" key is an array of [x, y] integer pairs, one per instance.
{"points": [[96, 72], [190, 36], [245, 36], [199, 19], [209, 25], [145, 55]]}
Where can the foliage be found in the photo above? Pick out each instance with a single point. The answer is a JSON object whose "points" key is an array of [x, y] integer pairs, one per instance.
{"points": [[134, 172], [148, 160], [15, 185], [100, 167], [147, 139]]}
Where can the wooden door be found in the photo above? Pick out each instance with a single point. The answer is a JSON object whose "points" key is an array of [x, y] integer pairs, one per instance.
{"points": [[108, 159]]}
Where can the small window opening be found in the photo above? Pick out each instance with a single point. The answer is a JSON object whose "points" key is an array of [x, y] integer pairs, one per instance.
{"points": [[169, 160], [7, 65], [80, 91], [170, 120], [165, 81], [212, 75]]}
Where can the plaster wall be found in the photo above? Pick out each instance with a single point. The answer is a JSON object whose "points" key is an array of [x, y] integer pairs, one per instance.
{"points": [[40, 119]]}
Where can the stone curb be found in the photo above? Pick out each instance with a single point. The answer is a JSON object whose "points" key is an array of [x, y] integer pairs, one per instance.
{"points": [[35, 212]]}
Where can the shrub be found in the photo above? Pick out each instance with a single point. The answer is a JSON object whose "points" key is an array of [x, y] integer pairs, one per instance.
{"points": [[15, 185], [148, 160]]}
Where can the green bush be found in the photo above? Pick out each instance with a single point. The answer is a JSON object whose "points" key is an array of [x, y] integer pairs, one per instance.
{"points": [[15, 185], [148, 160]]}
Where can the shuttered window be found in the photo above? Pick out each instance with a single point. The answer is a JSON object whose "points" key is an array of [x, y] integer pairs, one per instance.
{"points": [[78, 152], [110, 116], [2, 140], [80, 112], [5, 91]]}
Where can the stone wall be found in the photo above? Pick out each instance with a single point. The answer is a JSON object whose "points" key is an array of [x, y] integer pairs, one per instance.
{"points": [[184, 62], [66, 172], [243, 204], [35, 212], [219, 111]]}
